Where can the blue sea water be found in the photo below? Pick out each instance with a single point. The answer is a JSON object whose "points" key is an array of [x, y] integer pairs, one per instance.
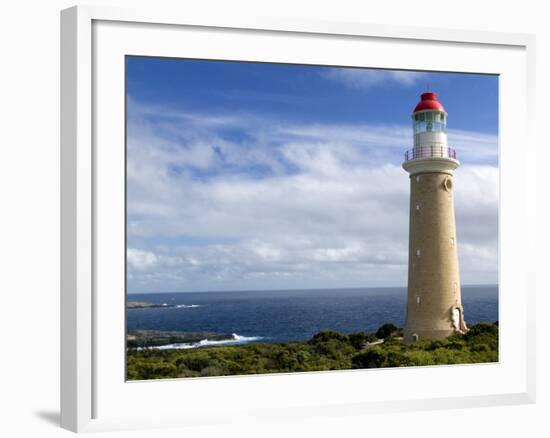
{"points": [[278, 316]]}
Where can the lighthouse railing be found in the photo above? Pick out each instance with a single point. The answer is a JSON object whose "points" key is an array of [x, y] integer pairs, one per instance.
{"points": [[430, 151]]}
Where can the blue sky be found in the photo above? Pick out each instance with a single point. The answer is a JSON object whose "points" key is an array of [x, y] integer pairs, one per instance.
{"points": [[266, 176], [306, 94]]}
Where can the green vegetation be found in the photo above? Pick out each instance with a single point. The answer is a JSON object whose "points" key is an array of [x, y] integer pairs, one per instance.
{"points": [[386, 331], [327, 350]]}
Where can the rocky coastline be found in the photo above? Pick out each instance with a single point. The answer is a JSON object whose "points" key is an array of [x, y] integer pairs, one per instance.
{"points": [[144, 305], [157, 338]]}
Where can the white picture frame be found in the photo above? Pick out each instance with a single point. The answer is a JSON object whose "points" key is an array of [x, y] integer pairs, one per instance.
{"points": [[93, 39]]}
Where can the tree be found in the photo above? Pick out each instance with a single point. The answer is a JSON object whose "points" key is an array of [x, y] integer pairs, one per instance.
{"points": [[372, 358], [386, 331], [357, 340], [327, 335]]}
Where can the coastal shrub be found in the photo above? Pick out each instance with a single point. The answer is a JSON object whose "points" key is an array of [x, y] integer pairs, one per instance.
{"points": [[328, 350], [483, 333], [434, 345], [212, 370], [372, 358], [327, 335], [156, 370], [482, 328], [397, 359], [303, 357], [198, 361], [333, 349], [386, 331], [285, 361], [357, 340], [370, 337], [391, 341], [420, 357], [480, 347], [455, 345]]}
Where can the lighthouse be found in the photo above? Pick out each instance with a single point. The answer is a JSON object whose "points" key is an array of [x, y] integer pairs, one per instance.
{"points": [[434, 307]]}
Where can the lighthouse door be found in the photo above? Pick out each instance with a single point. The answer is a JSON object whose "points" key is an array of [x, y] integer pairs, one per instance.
{"points": [[456, 318]]}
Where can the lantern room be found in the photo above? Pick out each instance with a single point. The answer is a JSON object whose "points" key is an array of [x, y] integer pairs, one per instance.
{"points": [[429, 122], [430, 136]]}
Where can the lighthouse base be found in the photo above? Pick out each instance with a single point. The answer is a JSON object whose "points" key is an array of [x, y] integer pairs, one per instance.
{"points": [[412, 335], [451, 324]]}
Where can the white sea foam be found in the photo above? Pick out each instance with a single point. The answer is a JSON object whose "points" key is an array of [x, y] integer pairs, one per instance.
{"points": [[236, 340], [187, 306]]}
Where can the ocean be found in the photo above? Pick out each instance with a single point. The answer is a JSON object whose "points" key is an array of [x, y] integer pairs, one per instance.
{"points": [[290, 315]]}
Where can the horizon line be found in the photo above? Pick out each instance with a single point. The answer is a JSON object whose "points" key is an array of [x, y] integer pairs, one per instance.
{"points": [[293, 290]]}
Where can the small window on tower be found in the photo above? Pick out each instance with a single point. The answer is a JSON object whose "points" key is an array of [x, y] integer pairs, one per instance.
{"points": [[418, 253]]}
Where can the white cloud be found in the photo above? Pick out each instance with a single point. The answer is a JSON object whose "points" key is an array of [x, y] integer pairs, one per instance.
{"points": [[328, 207], [365, 79], [474, 147], [351, 253], [140, 260], [266, 251]]}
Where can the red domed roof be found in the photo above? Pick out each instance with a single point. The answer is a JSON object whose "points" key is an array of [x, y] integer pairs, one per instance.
{"points": [[428, 101]]}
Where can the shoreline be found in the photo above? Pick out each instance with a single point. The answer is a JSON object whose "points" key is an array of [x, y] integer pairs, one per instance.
{"points": [[145, 305], [161, 338]]}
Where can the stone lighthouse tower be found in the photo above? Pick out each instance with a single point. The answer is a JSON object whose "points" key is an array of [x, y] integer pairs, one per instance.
{"points": [[434, 308]]}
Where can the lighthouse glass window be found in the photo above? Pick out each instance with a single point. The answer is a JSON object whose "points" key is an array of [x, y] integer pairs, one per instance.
{"points": [[299, 218]]}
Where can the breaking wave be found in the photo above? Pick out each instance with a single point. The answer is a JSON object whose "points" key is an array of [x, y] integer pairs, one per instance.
{"points": [[235, 340]]}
